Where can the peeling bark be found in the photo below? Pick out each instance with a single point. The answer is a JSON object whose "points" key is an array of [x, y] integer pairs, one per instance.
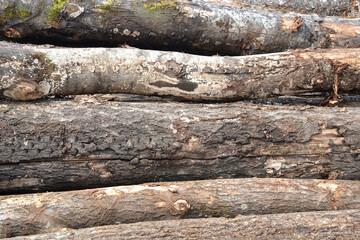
{"points": [[309, 225], [69, 145], [49, 212], [346, 8], [29, 72], [191, 26]]}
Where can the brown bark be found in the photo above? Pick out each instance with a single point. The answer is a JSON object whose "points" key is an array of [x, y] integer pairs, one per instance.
{"points": [[30, 72], [48, 212], [70, 145], [191, 26], [310, 225]]}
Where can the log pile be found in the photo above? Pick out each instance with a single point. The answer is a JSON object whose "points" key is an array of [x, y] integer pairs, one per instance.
{"points": [[202, 119]]}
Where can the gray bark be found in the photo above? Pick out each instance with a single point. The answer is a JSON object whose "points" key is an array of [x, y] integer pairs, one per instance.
{"points": [[28, 72], [49, 212], [191, 26], [76, 144], [346, 8], [312, 225]]}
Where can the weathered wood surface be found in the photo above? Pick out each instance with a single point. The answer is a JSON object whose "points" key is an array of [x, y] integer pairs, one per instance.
{"points": [[29, 72], [348, 8], [191, 26], [48, 212], [71, 144], [310, 225]]}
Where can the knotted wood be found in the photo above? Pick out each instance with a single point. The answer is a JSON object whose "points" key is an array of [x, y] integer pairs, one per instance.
{"points": [[48, 212], [30, 72]]}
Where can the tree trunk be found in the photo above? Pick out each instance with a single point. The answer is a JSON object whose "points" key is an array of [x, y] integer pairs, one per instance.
{"points": [[70, 144], [190, 26], [48, 212], [346, 8], [30, 72], [311, 225]]}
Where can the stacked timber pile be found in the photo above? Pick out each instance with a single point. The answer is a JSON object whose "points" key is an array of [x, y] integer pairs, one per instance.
{"points": [[176, 138]]}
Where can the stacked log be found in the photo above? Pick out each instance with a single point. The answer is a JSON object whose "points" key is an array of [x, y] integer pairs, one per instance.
{"points": [[48, 212], [205, 27], [36, 72], [235, 167], [62, 145], [308, 225]]}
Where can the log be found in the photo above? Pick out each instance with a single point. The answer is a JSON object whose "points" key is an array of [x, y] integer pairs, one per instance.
{"points": [[68, 144], [309, 225], [347, 8], [30, 72], [182, 25], [49, 212]]}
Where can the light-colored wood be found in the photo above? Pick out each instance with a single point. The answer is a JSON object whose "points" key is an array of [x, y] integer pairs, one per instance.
{"points": [[312, 225], [48, 212], [35, 72]]}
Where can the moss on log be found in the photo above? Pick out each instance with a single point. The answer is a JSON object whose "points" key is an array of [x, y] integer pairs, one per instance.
{"points": [[192, 26]]}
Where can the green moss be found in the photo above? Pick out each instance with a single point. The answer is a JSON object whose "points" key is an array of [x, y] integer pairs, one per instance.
{"points": [[54, 11], [106, 10], [108, 6], [13, 11], [161, 6]]}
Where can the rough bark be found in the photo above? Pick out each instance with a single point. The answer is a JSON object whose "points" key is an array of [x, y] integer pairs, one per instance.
{"points": [[191, 26], [67, 144], [29, 72], [348, 8], [48, 212], [310, 225]]}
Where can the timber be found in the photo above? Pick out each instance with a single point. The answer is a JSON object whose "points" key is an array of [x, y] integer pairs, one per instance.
{"points": [[207, 27], [309, 225], [48, 212], [31, 72], [346, 8], [68, 144]]}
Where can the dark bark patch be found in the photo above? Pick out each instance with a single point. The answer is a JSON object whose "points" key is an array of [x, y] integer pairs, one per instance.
{"points": [[183, 85]]}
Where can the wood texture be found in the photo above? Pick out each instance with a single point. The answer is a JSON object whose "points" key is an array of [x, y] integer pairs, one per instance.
{"points": [[192, 26], [73, 144], [48, 212], [29, 72], [312, 225], [346, 8]]}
